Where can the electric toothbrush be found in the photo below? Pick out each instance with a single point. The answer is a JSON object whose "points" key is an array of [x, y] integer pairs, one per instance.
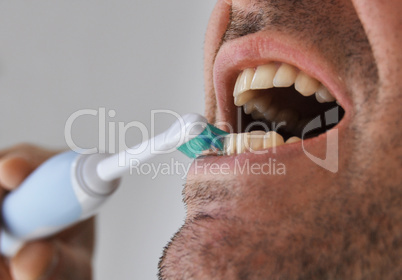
{"points": [[71, 187]]}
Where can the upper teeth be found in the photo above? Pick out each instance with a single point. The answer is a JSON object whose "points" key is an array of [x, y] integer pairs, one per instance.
{"points": [[261, 106], [285, 76], [270, 75], [275, 75], [264, 76], [323, 95]]}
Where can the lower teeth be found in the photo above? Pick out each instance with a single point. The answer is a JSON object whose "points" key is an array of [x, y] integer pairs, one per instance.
{"points": [[237, 143]]}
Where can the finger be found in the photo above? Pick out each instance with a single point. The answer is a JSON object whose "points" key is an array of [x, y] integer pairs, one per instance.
{"points": [[32, 153], [51, 260], [32, 261], [80, 235], [4, 273], [74, 263], [22, 147], [14, 170]]}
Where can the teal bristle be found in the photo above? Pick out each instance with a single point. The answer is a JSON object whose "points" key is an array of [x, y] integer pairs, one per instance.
{"points": [[210, 138]]}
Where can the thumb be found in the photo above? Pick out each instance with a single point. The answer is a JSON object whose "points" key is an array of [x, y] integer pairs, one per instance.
{"points": [[46, 260]]}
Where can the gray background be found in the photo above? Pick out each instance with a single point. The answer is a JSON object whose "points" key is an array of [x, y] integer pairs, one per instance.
{"points": [[57, 57]]}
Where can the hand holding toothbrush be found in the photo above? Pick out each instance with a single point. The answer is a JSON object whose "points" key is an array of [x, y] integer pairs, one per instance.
{"points": [[67, 188], [65, 256]]}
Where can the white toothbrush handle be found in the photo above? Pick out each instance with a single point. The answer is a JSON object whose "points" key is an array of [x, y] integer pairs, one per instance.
{"points": [[183, 130]]}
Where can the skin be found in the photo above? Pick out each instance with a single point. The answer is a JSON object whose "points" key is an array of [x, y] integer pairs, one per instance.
{"points": [[309, 224]]}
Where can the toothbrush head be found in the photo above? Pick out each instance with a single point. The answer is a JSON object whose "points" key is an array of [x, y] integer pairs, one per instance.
{"points": [[210, 139]]}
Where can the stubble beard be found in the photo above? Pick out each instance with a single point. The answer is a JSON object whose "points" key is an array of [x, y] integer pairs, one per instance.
{"points": [[354, 234]]}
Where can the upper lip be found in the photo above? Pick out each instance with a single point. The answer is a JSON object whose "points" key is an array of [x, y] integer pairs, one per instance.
{"points": [[263, 47]]}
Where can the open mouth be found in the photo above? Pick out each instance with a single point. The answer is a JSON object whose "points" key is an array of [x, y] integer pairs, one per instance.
{"points": [[277, 102]]}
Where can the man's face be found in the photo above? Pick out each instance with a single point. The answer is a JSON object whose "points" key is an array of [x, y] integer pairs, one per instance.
{"points": [[339, 218]]}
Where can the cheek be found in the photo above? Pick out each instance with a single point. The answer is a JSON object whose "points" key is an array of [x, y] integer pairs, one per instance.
{"points": [[382, 22]]}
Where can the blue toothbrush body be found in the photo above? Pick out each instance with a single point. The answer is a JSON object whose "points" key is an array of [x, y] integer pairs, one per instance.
{"points": [[70, 187]]}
